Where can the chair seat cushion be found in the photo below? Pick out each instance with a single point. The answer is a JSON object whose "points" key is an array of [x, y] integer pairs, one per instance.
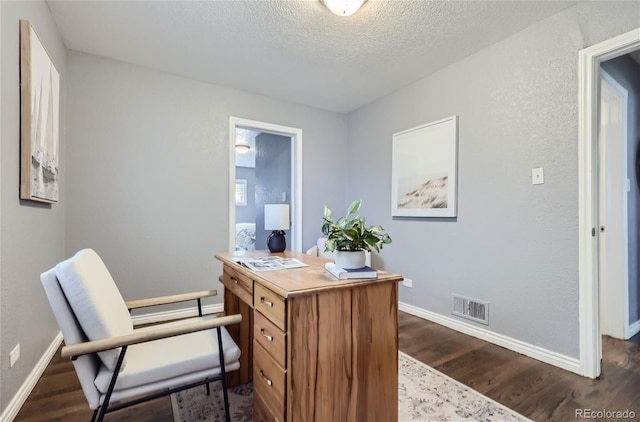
{"points": [[95, 300], [159, 360]]}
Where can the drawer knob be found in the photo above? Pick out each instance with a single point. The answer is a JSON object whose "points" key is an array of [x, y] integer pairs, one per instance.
{"points": [[234, 280], [266, 302], [267, 380], [267, 336]]}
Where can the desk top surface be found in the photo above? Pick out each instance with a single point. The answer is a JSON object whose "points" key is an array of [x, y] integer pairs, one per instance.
{"points": [[299, 281]]}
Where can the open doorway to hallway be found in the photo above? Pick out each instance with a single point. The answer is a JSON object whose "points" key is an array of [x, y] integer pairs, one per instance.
{"points": [[619, 196], [265, 169], [263, 176], [589, 224]]}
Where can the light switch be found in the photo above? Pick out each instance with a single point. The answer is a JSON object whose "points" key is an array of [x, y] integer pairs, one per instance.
{"points": [[537, 176]]}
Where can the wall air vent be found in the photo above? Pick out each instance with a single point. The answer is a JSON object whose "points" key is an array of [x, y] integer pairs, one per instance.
{"points": [[473, 309]]}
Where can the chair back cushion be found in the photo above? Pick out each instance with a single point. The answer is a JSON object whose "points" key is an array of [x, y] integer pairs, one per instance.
{"points": [[95, 300], [321, 253], [86, 366]]}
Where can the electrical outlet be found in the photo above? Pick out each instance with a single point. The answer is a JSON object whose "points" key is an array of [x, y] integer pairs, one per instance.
{"points": [[537, 176], [14, 356], [407, 282]]}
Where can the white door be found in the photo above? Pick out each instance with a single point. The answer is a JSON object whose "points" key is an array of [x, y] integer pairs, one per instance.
{"points": [[613, 185]]}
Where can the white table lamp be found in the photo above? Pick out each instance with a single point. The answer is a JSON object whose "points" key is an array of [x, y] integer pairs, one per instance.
{"points": [[276, 218]]}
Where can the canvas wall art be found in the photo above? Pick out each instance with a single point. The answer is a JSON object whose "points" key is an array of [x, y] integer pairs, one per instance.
{"points": [[39, 115], [424, 170]]}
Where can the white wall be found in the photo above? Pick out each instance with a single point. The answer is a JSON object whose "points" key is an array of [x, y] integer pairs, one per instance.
{"points": [[32, 239], [148, 171], [512, 244]]}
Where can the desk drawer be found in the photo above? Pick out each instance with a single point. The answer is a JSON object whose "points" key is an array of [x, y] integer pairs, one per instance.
{"points": [[270, 337], [238, 288], [242, 279], [270, 305], [269, 380], [262, 412]]}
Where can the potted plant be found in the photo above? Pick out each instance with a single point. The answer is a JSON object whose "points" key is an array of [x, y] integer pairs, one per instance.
{"points": [[350, 238]]}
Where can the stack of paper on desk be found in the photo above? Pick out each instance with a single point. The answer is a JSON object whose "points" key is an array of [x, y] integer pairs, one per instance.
{"points": [[269, 263]]}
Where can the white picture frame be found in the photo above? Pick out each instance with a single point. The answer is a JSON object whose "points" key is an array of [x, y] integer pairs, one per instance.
{"points": [[424, 170]]}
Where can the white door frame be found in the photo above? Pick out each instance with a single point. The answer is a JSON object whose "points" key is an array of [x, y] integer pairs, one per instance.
{"points": [[589, 60], [296, 174], [614, 240]]}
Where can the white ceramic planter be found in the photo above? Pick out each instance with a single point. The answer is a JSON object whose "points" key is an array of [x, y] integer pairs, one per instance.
{"points": [[350, 259]]}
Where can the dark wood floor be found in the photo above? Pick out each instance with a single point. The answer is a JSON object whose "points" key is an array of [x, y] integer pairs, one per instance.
{"points": [[537, 390]]}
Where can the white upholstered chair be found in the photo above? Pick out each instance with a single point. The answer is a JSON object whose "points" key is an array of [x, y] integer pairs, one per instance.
{"points": [[318, 250], [115, 362]]}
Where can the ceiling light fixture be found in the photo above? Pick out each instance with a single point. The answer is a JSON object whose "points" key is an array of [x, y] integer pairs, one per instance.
{"points": [[343, 7], [242, 148]]}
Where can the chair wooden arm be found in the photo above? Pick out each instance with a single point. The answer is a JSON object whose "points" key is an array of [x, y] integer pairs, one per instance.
{"points": [[164, 300], [147, 335]]}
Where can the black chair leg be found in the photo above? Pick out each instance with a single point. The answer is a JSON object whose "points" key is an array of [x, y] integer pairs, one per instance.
{"points": [[103, 411], [95, 413], [208, 389], [112, 384], [227, 412], [224, 377]]}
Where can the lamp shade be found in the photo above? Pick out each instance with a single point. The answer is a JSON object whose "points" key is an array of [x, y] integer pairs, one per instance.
{"points": [[276, 217]]}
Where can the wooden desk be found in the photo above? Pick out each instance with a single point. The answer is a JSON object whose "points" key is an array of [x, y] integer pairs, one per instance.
{"points": [[317, 348]]}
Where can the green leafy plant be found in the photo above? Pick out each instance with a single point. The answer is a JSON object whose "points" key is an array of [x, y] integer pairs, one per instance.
{"points": [[349, 233]]}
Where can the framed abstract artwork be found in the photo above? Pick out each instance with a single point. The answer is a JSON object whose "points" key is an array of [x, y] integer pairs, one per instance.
{"points": [[425, 169], [39, 119]]}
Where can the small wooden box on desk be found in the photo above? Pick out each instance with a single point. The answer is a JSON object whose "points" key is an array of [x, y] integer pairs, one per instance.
{"points": [[316, 348]]}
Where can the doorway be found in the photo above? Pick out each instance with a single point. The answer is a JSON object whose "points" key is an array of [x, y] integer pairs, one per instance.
{"points": [[588, 194], [265, 167], [613, 212]]}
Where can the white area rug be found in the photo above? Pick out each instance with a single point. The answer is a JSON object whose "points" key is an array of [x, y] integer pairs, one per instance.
{"points": [[424, 394], [194, 405]]}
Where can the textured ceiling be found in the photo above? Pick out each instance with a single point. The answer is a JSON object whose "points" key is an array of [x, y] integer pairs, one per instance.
{"points": [[295, 50]]}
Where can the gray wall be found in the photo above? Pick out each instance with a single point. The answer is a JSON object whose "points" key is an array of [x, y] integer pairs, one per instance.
{"points": [[148, 171], [273, 177], [512, 244], [145, 179], [626, 71], [32, 235]]}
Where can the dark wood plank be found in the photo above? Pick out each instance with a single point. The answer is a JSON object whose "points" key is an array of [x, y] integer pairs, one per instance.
{"points": [[537, 390]]}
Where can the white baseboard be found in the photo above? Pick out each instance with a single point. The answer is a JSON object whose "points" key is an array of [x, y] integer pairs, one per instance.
{"points": [[536, 352], [28, 385], [632, 329], [176, 314]]}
